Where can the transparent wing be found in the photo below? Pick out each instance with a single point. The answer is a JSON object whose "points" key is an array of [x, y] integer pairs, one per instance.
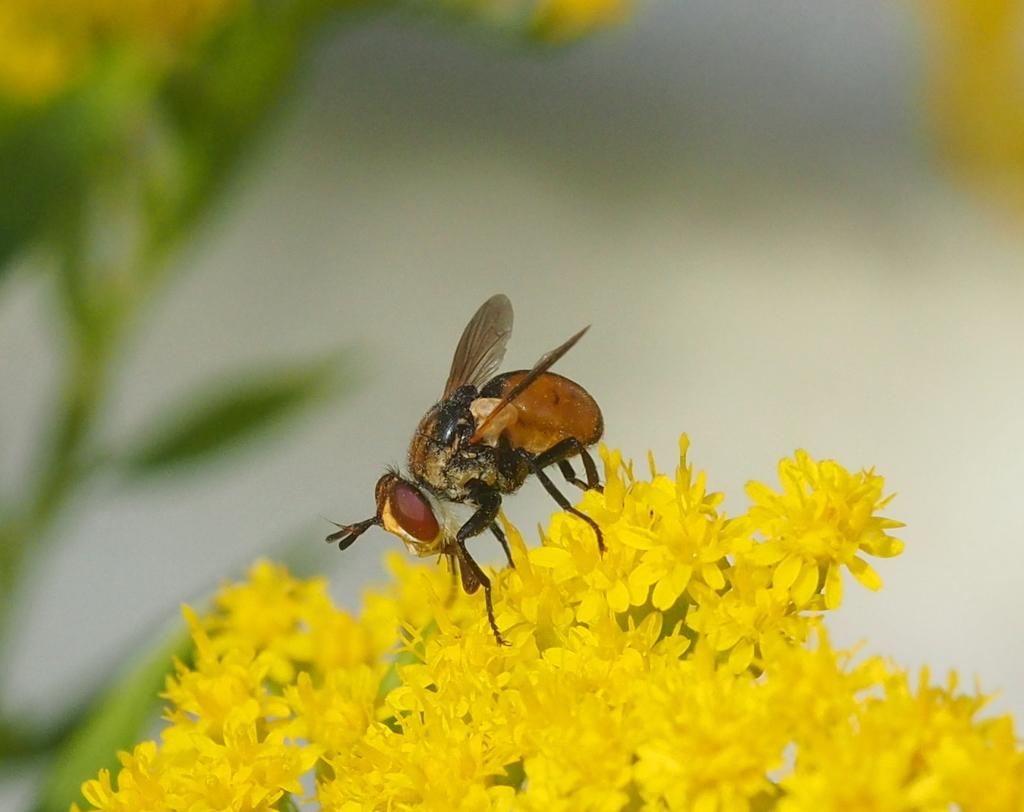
{"points": [[482, 345], [544, 363]]}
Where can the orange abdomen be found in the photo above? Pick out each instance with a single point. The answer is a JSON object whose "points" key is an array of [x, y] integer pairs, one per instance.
{"points": [[552, 409]]}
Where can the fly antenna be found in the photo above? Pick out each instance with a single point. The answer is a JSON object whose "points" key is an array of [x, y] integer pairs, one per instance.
{"points": [[347, 533]]}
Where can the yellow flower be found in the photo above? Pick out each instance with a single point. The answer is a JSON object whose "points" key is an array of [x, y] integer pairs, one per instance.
{"points": [[293, 624], [907, 749], [687, 537], [697, 684], [230, 743], [976, 90], [564, 20], [47, 44], [822, 519]]}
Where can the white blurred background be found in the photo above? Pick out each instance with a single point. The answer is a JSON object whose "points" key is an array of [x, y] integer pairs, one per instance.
{"points": [[738, 195]]}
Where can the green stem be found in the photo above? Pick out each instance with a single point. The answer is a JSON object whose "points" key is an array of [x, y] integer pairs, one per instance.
{"points": [[286, 803], [92, 334]]}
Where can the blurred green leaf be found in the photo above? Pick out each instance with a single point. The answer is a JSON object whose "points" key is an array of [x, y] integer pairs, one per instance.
{"points": [[203, 114], [41, 164], [20, 741], [50, 155], [219, 97], [204, 426], [116, 721]]}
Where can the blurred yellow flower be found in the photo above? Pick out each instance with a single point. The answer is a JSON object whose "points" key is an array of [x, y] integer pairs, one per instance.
{"points": [[565, 20], [977, 89], [47, 44], [686, 669]]}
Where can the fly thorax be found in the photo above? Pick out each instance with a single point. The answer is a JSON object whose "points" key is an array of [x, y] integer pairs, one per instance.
{"points": [[473, 464]]}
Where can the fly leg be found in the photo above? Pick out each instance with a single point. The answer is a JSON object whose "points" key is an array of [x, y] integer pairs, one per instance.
{"points": [[453, 568], [557, 495], [472, 579], [560, 453], [593, 483], [500, 536], [488, 504]]}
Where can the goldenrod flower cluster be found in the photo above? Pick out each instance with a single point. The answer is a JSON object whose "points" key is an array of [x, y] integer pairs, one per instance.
{"points": [[977, 89], [565, 20], [45, 44], [685, 669]]}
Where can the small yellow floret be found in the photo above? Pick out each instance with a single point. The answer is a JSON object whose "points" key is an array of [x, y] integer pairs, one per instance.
{"points": [[824, 517]]}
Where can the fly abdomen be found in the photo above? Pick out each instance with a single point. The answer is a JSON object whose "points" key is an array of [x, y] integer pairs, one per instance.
{"points": [[552, 409]]}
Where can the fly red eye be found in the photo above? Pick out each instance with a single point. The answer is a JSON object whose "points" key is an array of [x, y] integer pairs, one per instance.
{"points": [[412, 512]]}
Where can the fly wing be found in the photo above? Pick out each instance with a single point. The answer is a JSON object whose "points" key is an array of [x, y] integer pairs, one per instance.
{"points": [[544, 363], [482, 345]]}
